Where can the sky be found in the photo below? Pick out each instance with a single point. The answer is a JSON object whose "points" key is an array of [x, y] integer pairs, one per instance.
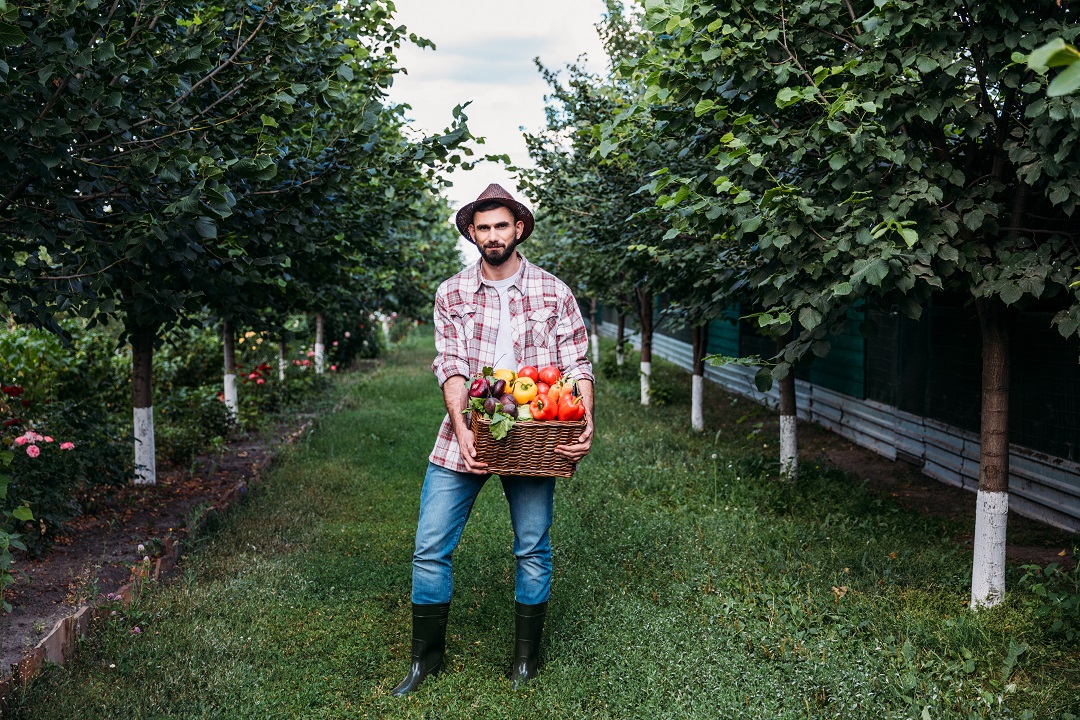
{"points": [[484, 54]]}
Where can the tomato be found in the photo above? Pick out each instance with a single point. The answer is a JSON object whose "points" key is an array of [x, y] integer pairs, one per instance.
{"points": [[542, 388], [571, 407], [550, 375], [542, 408], [530, 372], [524, 390]]}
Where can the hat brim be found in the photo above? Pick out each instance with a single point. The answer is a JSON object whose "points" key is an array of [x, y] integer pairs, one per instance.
{"points": [[464, 216]]}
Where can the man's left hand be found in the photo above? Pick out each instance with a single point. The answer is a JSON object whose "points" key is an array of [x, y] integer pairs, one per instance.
{"points": [[575, 453]]}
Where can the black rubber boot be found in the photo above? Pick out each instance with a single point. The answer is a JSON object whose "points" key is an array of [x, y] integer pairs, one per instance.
{"points": [[528, 629], [428, 645]]}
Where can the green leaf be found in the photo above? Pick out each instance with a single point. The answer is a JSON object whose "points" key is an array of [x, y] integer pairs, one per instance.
{"points": [[711, 54], [787, 96], [11, 35], [974, 219], [1016, 649], [1011, 293], [501, 424], [703, 107], [763, 380], [22, 513], [1053, 54], [870, 270], [206, 227], [1067, 81], [345, 72], [268, 121], [842, 289]]}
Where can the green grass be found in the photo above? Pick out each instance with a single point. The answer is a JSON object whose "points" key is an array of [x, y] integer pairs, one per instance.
{"points": [[689, 583]]}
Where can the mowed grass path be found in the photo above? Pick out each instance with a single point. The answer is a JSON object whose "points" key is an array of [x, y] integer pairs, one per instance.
{"points": [[689, 583]]}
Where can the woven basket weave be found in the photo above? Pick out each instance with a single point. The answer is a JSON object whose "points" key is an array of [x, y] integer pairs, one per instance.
{"points": [[529, 447]]}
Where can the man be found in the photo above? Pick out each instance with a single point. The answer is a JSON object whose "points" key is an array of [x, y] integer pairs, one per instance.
{"points": [[502, 312]]}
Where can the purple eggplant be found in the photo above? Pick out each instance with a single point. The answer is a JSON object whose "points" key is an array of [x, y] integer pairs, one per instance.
{"points": [[510, 409], [490, 406], [479, 388], [498, 388], [507, 399]]}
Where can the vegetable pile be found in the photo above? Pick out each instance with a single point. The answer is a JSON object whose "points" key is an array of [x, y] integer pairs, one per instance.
{"points": [[527, 395]]}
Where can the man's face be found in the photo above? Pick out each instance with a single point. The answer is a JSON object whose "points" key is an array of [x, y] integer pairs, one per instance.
{"points": [[495, 233]]}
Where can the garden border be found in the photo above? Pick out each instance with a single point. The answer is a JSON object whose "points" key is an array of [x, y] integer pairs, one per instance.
{"points": [[59, 646]]}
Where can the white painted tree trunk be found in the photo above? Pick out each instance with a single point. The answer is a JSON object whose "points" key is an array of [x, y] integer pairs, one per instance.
{"points": [[988, 571], [232, 400], [646, 377], [142, 370], [320, 345], [595, 342], [385, 322], [620, 356], [697, 396], [145, 456], [789, 447], [281, 360]]}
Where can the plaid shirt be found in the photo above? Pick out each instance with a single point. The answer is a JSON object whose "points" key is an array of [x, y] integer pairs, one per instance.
{"points": [[547, 330]]}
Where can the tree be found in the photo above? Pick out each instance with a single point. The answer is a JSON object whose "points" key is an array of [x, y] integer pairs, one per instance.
{"points": [[881, 153], [151, 173]]}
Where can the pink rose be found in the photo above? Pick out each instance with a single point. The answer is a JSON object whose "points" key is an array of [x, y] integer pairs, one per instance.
{"points": [[260, 381], [48, 439], [311, 353], [33, 451], [67, 446], [333, 367], [335, 343], [21, 440]]}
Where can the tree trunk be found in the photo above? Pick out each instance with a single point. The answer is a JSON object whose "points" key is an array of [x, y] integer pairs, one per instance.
{"points": [[595, 332], [789, 446], [992, 511], [281, 360], [232, 400], [142, 362], [620, 341], [699, 335], [320, 344], [645, 316], [384, 321]]}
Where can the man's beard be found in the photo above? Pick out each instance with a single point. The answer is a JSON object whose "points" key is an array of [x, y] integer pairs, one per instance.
{"points": [[497, 256]]}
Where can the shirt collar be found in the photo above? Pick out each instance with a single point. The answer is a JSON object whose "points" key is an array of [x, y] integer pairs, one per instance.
{"points": [[478, 276]]}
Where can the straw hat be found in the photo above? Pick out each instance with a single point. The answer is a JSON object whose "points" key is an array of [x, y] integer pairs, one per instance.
{"points": [[498, 194]]}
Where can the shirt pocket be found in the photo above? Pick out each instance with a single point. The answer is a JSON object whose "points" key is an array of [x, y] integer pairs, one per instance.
{"points": [[542, 326], [465, 319]]}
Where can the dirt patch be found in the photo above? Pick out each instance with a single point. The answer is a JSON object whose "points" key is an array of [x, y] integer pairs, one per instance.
{"points": [[1032, 542], [96, 553]]}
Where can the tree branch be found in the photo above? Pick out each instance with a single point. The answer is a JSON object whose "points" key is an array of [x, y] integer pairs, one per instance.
{"points": [[222, 66]]}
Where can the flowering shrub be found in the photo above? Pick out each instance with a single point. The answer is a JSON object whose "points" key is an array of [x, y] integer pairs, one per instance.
{"points": [[52, 471]]}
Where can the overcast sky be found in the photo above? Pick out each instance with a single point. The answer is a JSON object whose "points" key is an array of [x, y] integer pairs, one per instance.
{"points": [[484, 53]]}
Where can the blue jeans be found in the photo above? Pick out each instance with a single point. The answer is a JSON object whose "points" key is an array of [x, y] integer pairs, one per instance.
{"points": [[445, 504]]}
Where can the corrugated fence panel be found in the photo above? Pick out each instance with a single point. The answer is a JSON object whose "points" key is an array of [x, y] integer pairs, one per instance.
{"points": [[1042, 487]]}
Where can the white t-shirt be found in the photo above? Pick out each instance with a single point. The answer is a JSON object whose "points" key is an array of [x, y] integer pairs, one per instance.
{"points": [[504, 341]]}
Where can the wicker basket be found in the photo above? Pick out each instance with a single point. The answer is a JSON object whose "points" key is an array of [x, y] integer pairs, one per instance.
{"points": [[529, 447]]}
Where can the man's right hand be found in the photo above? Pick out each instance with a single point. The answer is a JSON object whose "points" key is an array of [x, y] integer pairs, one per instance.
{"points": [[468, 452]]}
